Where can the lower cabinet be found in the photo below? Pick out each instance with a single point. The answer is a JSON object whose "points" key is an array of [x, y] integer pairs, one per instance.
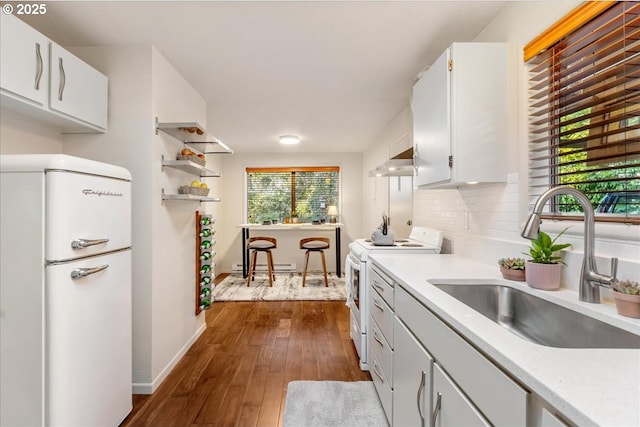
{"points": [[451, 408], [412, 373]]}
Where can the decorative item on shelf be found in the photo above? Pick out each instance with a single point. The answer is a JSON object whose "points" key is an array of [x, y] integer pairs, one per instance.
{"points": [[204, 261], [626, 294], [512, 268], [198, 188], [332, 211], [294, 217], [187, 154], [544, 270]]}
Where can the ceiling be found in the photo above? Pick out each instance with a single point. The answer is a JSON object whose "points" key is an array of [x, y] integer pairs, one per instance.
{"points": [[334, 73]]}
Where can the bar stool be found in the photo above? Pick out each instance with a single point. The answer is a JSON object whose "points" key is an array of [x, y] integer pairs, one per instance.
{"points": [[314, 244], [261, 244]]}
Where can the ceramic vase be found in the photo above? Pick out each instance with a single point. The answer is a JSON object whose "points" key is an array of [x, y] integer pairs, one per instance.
{"points": [[627, 305], [509, 274], [543, 276]]}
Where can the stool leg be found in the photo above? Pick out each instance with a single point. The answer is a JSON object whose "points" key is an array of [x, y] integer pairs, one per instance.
{"points": [[270, 266], [324, 267], [306, 264], [252, 267], [273, 269]]}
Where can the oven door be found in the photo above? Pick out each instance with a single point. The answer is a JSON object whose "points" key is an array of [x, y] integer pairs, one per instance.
{"points": [[353, 284]]}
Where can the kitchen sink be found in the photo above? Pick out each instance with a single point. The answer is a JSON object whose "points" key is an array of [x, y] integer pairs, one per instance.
{"points": [[537, 320]]}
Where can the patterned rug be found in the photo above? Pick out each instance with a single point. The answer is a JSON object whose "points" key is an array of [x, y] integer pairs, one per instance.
{"points": [[286, 287]]}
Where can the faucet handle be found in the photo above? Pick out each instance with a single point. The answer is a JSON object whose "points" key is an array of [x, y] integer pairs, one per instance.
{"points": [[614, 268]]}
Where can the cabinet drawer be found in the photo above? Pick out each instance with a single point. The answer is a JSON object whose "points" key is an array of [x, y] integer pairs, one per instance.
{"points": [[383, 386], [379, 346], [382, 314], [383, 284], [506, 405]]}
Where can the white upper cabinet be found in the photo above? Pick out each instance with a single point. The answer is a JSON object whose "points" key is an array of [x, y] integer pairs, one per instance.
{"points": [[77, 89], [42, 80], [461, 117], [24, 61]]}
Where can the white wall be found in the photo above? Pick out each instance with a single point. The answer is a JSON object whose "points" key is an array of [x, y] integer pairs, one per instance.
{"points": [[483, 223], [24, 135], [229, 237]]}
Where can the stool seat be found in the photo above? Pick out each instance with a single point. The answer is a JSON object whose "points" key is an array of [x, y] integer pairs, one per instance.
{"points": [[261, 244], [314, 244]]}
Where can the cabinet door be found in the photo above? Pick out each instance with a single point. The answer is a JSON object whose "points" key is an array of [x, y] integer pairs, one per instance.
{"points": [[23, 60], [412, 370], [77, 89], [450, 406], [432, 123]]}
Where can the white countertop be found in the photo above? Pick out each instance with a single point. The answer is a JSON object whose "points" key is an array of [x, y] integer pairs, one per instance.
{"points": [[588, 386]]}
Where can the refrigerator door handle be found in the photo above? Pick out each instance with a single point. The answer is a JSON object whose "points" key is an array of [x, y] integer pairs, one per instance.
{"points": [[85, 243], [79, 273]]}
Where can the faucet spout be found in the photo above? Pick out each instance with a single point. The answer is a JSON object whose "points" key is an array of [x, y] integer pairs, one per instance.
{"points": [[590, 278]]}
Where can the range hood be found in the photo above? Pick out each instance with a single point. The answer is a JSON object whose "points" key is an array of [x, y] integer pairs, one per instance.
{"points": [[400, 165]]}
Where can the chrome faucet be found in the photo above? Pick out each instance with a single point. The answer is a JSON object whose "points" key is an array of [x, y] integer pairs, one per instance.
{"points": [[590, 279]]}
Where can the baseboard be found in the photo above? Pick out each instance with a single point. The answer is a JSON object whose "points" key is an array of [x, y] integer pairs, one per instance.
{"points": [[150, 388]]}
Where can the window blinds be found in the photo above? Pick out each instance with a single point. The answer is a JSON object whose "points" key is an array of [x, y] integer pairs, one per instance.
{"points": [[584, 97]]}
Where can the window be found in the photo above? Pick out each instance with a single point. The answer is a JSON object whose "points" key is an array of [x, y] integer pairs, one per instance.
{"points": [[280, 193], [584, 90]]}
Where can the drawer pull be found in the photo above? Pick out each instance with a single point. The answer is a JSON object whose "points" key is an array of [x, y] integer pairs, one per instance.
{"points": [[377, 286], [436, 410], [377, 304], [423, 381], [375, 337], [375, 369]]}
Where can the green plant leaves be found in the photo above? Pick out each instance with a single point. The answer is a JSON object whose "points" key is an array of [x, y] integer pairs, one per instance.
{"points": [[543, 248]]}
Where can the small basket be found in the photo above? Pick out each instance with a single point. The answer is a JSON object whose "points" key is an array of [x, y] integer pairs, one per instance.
{"points": [[194, 159], [197, 191]]}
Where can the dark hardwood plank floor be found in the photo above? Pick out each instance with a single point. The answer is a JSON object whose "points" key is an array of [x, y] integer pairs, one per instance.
{"points": [[236, 373]]}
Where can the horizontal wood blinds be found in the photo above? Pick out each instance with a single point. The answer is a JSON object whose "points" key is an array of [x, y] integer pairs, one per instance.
{"points": [[278, 193], [584, 99]]}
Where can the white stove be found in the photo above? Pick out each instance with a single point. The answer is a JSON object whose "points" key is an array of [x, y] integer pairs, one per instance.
{"points": [[421, 240]]}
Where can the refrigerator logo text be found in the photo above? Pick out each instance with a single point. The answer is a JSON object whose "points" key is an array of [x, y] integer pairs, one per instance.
{"points": [[90, 192]]}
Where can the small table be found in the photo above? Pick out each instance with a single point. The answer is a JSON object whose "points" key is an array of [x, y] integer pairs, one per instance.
{"points": [[289, 227]]}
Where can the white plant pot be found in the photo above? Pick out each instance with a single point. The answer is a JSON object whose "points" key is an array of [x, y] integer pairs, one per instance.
{"points": [[543, 276]]}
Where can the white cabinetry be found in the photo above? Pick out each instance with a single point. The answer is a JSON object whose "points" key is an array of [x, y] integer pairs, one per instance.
{"points": [[460, 116], [412, 372], [24, 64], [77, 89], [42, 80], [506, 405], [451, 408]]}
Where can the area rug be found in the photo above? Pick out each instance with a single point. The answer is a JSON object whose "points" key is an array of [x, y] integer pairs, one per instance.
{"points": [[332, 404], [286, 287]]}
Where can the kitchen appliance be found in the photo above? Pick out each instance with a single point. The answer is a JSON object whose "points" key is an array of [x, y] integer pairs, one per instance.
{"points": [[383, 235], [421, 240], [65, 288]]}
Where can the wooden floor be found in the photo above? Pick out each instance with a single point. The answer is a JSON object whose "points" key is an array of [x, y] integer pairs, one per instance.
{"points": [[236, 374]]}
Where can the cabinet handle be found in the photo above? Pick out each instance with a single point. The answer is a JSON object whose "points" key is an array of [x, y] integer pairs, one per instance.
{"points": [[79, 273], [63, 79], [375, 302], [375, 369], [39, 67], [378, 286], [423, 381], [375, 337], [436, 410]]}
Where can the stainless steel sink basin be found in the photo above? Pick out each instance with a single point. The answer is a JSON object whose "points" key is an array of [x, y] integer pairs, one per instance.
{"points": [[540, 321]]}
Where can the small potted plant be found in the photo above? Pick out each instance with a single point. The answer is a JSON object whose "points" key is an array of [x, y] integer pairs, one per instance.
{"points": [[544, 270], [512, 268], [626, 295]]}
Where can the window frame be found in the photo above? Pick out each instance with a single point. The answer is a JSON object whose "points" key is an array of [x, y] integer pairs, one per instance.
{"points": [[290, 169], [546, 46]]}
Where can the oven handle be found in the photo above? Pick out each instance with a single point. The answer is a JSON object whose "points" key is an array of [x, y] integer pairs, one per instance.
{"points": [[353, 260]]}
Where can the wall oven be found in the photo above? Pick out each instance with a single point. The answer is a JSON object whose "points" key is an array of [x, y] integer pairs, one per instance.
{"points": [[421, 240]]}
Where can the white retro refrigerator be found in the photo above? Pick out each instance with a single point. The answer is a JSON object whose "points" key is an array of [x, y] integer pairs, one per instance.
{"points": [[65, 300]]}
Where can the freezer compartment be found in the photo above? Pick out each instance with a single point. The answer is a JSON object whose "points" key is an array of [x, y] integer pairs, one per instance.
{"points": [[85, 215], [88, 345]]}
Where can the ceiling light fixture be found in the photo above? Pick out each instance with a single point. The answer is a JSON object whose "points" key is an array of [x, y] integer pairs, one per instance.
{"points": [[289, 139]]}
